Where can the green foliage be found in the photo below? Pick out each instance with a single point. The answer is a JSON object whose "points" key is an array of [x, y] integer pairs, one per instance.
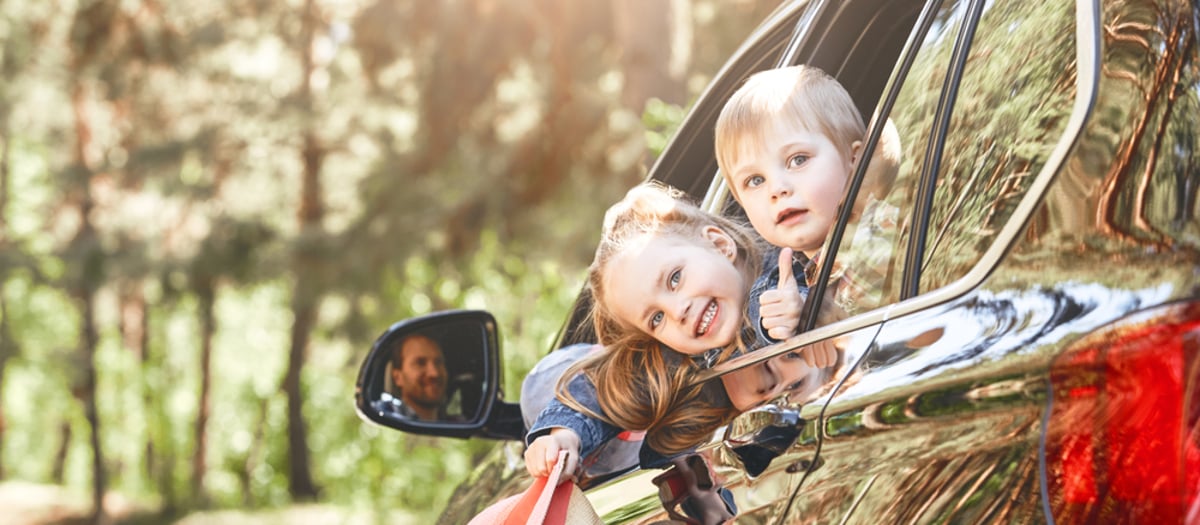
{"points": [[154, 160], [661, 120]]}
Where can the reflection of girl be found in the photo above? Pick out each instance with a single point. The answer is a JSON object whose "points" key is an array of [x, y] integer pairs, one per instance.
{"points": [[670, 283], [788, 373]]}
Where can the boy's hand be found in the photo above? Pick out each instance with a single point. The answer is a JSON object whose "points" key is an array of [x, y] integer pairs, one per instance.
{"points": [[780, 308], [542, 454]]}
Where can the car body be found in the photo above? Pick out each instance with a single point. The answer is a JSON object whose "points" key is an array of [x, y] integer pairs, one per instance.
{"points": [[1030, 350]]}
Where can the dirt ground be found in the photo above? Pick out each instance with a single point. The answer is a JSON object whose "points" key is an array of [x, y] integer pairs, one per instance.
{"points": [[24, 503]]}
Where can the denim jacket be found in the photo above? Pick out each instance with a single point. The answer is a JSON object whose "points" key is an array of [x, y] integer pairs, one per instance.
{"points": [[599, 448]]}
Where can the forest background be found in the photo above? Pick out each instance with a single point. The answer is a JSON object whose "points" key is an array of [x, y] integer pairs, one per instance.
{"points": [[209, 210]]}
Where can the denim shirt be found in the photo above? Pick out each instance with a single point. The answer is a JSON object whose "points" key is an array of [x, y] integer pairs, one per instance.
{"points": [[592, 432], [596, 437], [768, 279]]}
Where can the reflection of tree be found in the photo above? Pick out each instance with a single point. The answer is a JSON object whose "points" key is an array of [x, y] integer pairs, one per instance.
{"points": [[1010, 108], [987, 483], [1165, 42]]}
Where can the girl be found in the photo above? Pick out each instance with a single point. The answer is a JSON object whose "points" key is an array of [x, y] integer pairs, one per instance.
{"points": [[669, 284]]}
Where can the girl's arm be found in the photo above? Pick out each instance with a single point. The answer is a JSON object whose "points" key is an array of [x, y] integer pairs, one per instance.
{"points": [[560, 427]]}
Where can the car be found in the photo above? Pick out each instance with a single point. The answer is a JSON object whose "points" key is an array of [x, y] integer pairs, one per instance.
{"points": [[1029, 349]]}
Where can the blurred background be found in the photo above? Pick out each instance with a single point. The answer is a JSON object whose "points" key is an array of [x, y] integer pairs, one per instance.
{"points": [[209, 210]]}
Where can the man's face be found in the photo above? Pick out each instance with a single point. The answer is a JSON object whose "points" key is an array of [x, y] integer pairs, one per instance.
{"points": [[790, 185], [422, 373]]}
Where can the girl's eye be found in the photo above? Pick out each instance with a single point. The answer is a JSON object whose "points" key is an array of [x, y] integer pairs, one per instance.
{"points": [[656, 319], [673, 279], [754, 181], [795, 161]]}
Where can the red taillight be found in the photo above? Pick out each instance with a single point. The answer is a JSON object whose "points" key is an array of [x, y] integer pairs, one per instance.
{"points": [[1123, 439]]}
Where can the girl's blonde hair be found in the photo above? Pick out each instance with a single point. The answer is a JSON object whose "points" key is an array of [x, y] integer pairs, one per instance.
{"points": [[651, 208], [801, 96], [638, 386]]}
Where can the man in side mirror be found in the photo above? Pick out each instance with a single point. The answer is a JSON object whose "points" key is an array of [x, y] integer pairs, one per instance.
{"points": [[419, 375]]}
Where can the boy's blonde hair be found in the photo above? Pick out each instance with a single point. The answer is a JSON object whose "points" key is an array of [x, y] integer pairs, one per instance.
{"points": [[801, 96], [637, 386]]}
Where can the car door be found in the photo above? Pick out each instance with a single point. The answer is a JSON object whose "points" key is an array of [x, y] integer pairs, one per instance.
{"points": [[937, 414], [1038, 225]]}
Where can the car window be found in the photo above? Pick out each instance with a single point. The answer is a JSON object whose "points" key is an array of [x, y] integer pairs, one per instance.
{"points": [[688, 162], [1010, 108]]}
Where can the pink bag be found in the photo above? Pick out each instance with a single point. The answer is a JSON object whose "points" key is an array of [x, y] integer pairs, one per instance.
{"points": [[545, 502]]}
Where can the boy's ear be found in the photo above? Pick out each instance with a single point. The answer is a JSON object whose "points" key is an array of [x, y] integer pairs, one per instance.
{"points": [[855, 152], [722, 241]]}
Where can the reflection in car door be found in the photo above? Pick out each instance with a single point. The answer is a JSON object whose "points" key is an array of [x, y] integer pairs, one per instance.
{"points": [[1015, 219], [939, 419]]}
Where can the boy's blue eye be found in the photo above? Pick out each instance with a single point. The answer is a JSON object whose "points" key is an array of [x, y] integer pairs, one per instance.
{"points": [[795, 161], [656, 319], [754, 181]]}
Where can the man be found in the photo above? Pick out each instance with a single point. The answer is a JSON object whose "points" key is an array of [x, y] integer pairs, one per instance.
{"points": [[419, 373]]}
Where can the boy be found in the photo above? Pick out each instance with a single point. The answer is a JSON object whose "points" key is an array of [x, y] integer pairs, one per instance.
{"points": [[786, 143]]}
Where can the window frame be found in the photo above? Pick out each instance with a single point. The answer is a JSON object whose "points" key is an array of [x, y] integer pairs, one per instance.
{"points": [[1088, 34]]}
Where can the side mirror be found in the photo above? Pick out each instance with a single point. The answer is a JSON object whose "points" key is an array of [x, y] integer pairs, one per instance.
{"points": [[438, 375]]}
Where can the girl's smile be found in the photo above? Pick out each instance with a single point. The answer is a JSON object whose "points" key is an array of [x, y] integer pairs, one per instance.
{"points": [[679, 290], [706, 320]]}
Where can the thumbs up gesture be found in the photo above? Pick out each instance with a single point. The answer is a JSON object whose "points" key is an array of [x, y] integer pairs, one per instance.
{"points": [[780, 308]]}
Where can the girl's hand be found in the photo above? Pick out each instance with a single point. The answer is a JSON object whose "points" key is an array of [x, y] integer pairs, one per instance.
{"points": [[780, 308], [542, 454]]}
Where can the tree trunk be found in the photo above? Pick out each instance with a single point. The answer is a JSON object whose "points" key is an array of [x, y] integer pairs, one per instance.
{"points": [[254, 454], [60, 457], [208, 322], [8, 344], [652, 69], [7, 350], [90, 338], [90, 274], [306, 292], [300, 482], [134, 324], [166, 456]]}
